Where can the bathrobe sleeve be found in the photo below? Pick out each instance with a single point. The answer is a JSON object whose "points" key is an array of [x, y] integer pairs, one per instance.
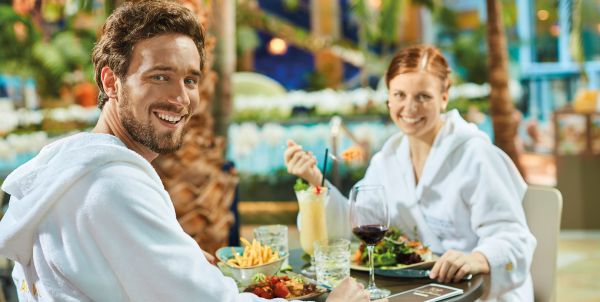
{"points": [[134, 225], [494, 191]]}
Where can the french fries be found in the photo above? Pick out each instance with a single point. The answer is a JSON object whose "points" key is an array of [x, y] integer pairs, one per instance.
{"points": [[254, 254]]}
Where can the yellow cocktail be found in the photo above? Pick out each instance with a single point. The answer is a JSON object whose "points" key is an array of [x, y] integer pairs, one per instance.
{"points": [[312, 217]]}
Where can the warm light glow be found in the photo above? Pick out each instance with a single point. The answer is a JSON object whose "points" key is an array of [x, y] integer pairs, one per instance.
{"points": [[277, 46], [598, 27], [555, 30], [543, 14], [376, 4]]}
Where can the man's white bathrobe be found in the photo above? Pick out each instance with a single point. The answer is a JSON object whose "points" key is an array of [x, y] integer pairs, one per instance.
{"points": [[89, 220], [469, 198]]}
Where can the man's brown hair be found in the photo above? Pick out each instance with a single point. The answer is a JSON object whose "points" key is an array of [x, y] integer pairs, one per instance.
{"points": [[136, 21]]}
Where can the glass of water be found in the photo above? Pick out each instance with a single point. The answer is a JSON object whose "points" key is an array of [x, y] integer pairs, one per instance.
{"points": [[275, 236], [332, 261]]}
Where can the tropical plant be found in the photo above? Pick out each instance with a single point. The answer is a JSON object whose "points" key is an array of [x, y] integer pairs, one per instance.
{"points": [[201, 189], [26, 54], [17, 37], [502, 109], [377, 28]]}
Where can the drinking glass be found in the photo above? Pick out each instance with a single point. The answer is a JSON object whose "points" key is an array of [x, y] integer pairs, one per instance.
{"points": [[312, 227], [332, 261], [370, 220], [275, 236]]}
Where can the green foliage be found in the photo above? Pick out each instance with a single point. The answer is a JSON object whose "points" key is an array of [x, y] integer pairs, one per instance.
{"points": [[366, 19], [316, 81], [246, 39], [259, 115], [446, 18], [47, 62], [65, 53], [69, 44], [463, 104], [291, 5], [467, 46], [388, 21], [15, 54], [427, 3], [379, 27], [471, 55]]}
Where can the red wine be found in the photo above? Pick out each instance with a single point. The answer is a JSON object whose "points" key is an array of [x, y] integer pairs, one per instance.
{"points": [[371, 233]]}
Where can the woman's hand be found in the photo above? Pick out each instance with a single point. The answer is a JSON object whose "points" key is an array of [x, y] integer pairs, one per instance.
{"points": [[301, 163], [455, 265], [350, 291]]}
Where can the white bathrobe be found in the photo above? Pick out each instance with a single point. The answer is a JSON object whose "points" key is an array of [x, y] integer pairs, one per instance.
{"points": [[469, 198], [89, 220]]}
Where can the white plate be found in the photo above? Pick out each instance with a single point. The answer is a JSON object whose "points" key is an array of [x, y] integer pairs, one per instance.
{"points": [[421, 265]]}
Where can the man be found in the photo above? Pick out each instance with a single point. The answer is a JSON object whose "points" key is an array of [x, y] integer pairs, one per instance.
{"points": [[89, 219]]}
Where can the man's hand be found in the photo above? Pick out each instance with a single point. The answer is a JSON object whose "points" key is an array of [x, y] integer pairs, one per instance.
{"points": [[301, 163], [210, 258], [455, 265], [350, 291]]}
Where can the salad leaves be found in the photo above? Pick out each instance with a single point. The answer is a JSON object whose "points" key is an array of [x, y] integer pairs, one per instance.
{"points": [[394, 249]]}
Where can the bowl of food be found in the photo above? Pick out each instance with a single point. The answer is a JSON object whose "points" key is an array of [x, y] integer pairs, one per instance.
{"points": [[243, 263]]}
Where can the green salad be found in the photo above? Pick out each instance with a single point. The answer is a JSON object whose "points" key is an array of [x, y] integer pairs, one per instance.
{"points": [[395, 249]]}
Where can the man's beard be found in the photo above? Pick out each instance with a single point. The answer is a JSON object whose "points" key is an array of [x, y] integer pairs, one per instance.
{"points": [[146, 134]]}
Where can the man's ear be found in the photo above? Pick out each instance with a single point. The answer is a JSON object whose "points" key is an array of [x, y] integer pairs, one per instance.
{"points": [[109, 82]]}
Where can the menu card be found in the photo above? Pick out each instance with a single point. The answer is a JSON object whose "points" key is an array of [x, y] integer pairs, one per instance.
{"points": [[427, 293]]}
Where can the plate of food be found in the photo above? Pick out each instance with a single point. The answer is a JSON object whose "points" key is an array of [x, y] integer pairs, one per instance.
{"points": [[289, 286], [242, 263], [395, 251]]}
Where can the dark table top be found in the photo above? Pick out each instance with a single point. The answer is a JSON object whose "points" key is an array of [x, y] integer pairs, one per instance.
{"points": [[473, 289]]}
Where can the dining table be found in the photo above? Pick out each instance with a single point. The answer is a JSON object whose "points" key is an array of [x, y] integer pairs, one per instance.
{"points": [[472, 289]]}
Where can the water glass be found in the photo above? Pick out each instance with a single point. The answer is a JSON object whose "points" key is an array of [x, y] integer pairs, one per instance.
{"points": [[332, 261], [275, 236]]}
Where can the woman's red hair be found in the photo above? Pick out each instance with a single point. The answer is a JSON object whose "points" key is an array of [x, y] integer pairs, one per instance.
{"points": [[419, 58]]}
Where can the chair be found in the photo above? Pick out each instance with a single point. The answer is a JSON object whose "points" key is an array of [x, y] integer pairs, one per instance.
{"points": [[543, 209]]}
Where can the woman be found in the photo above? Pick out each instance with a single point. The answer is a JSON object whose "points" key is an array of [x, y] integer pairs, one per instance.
{"points": [[444, 177]]}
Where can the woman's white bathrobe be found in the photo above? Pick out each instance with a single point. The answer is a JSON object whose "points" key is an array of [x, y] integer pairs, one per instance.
{"points": [[89, 220], [469, 198]]}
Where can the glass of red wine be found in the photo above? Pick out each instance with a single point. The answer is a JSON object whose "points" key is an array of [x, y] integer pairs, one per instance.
{"points": [[370, 219]]}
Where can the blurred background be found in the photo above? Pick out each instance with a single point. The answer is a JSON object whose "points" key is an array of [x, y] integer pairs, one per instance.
{"points": [[312, 71]]}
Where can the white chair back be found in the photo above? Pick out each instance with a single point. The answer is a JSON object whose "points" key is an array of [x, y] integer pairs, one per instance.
{"points": [[543, 209]]}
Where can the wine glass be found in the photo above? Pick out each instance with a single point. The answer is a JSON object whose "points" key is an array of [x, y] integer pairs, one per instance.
{"points": [[370, 220]]}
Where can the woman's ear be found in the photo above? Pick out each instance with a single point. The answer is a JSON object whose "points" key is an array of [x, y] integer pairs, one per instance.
{"points": [[444, 101], [109, 82]]}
